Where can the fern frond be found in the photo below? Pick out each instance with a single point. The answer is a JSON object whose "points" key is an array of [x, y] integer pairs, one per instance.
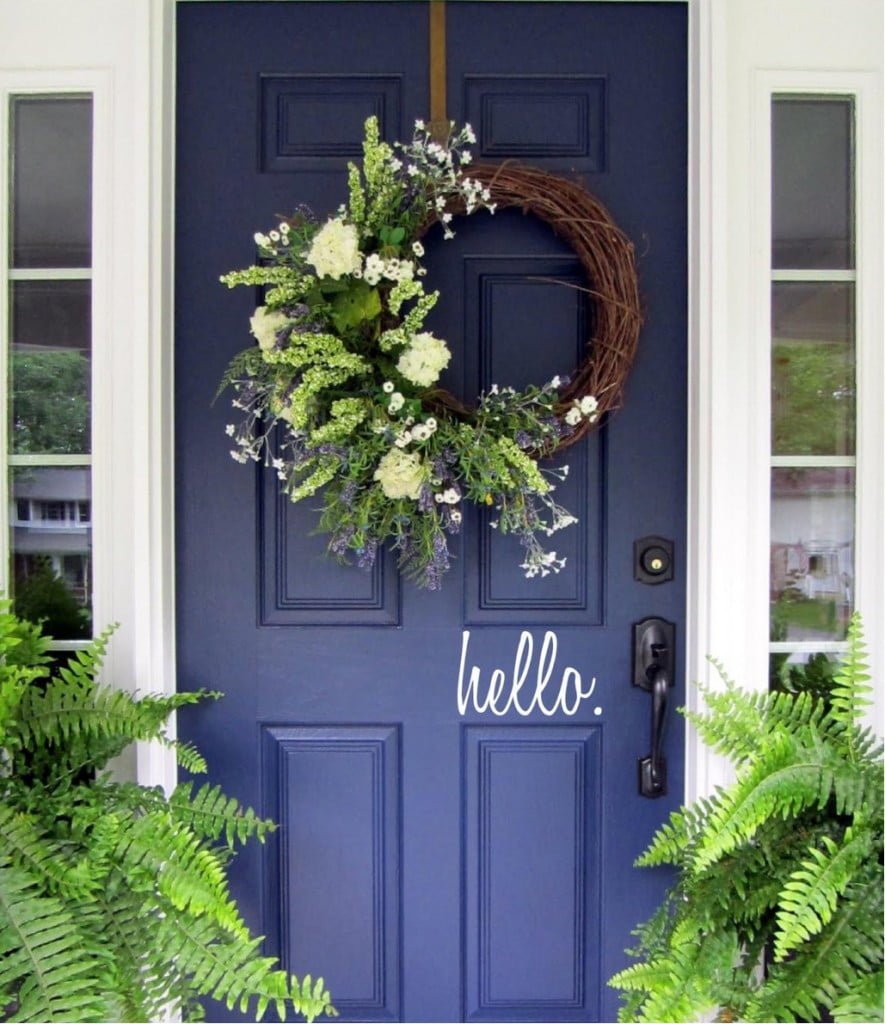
{"points": [[88, 722], [851, 690], [213, 814], [809, 898], [737, 723], [28, 847], [819, 975], [862, 1001], [787, 779], [229, 969], [188, 874], [674, 839], [685, 982], [189, 757], [45, 966]]}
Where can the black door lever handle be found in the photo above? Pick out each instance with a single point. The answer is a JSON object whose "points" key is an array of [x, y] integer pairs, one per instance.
{"points": [[653, 641], [653, 769]]}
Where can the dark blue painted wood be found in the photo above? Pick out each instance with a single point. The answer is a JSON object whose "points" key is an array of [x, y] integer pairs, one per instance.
{"points": [[434, 867]]}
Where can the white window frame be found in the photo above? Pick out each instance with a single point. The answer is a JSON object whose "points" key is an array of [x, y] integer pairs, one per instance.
{"points": [[743, 53], [122, 54]]}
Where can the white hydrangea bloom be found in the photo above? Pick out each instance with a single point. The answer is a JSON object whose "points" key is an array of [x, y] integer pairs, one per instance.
{"points": [[334, 251], [401, 474], [424, 359], [264, 324]]}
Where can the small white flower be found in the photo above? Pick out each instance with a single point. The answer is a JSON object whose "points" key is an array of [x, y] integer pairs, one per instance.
{"points": [[431, 424], [438, 498], [412, 170], [573, 416], [275, 236], [555, 382], [396, 164], [419, 125], [420, 432], [588, 405], [466, 157], [229, 430], [396, 402], [455, 515], [451, 496], [261, 239], [469, 134], [417, 249], [284, 228], [387, 387], [446, 218]]}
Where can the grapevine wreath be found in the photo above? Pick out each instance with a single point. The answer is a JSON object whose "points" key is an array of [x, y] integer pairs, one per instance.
{"points": [[345, 370]]}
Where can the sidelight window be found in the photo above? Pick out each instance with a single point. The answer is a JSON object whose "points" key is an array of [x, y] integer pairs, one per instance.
{"points": [[813, 386], [48, 345]]}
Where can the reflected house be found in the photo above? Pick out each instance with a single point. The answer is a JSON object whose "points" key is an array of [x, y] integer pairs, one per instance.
{"points": [[51, 515], [812, 542]]}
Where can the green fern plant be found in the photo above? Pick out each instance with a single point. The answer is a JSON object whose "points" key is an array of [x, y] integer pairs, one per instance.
{"points": [[777, 908], [114, 902]]}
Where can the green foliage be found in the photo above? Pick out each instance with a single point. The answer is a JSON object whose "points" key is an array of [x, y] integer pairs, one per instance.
{"points": [[50, 408], [784, 864], [808, 377], [114, 900], [44, 597]]}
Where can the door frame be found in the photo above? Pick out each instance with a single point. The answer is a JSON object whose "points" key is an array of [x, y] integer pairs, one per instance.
{"points": [[730, 54]]}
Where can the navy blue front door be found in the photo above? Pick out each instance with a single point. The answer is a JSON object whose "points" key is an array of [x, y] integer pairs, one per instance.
{"points": [[436, 861]]}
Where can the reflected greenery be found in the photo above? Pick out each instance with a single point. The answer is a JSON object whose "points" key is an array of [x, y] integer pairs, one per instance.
{"points": [[44, 598], [50, 407], [812, 399]]}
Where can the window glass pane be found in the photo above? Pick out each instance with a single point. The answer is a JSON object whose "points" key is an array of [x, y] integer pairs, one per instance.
{"points": [[801, 672], [51, 181], [812, 371], [812, 553], [812, 201], [52, 548], [49, 367]]}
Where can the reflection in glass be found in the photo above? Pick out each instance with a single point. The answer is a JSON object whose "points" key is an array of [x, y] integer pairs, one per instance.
{"points": [[52, 548], [812, 553], [813, 365], [49, 367], [812, 195], [51, 181], [802, 672]]}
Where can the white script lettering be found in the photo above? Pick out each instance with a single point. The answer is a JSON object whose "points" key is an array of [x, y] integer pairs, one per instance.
{"points": [[494, 699]]}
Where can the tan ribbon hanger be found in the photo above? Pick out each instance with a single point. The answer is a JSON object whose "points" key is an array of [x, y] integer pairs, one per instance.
{"points": [[439, 121]]}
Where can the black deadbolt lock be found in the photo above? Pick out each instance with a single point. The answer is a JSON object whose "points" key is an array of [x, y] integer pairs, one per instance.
{"points": [[653, 560]]}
